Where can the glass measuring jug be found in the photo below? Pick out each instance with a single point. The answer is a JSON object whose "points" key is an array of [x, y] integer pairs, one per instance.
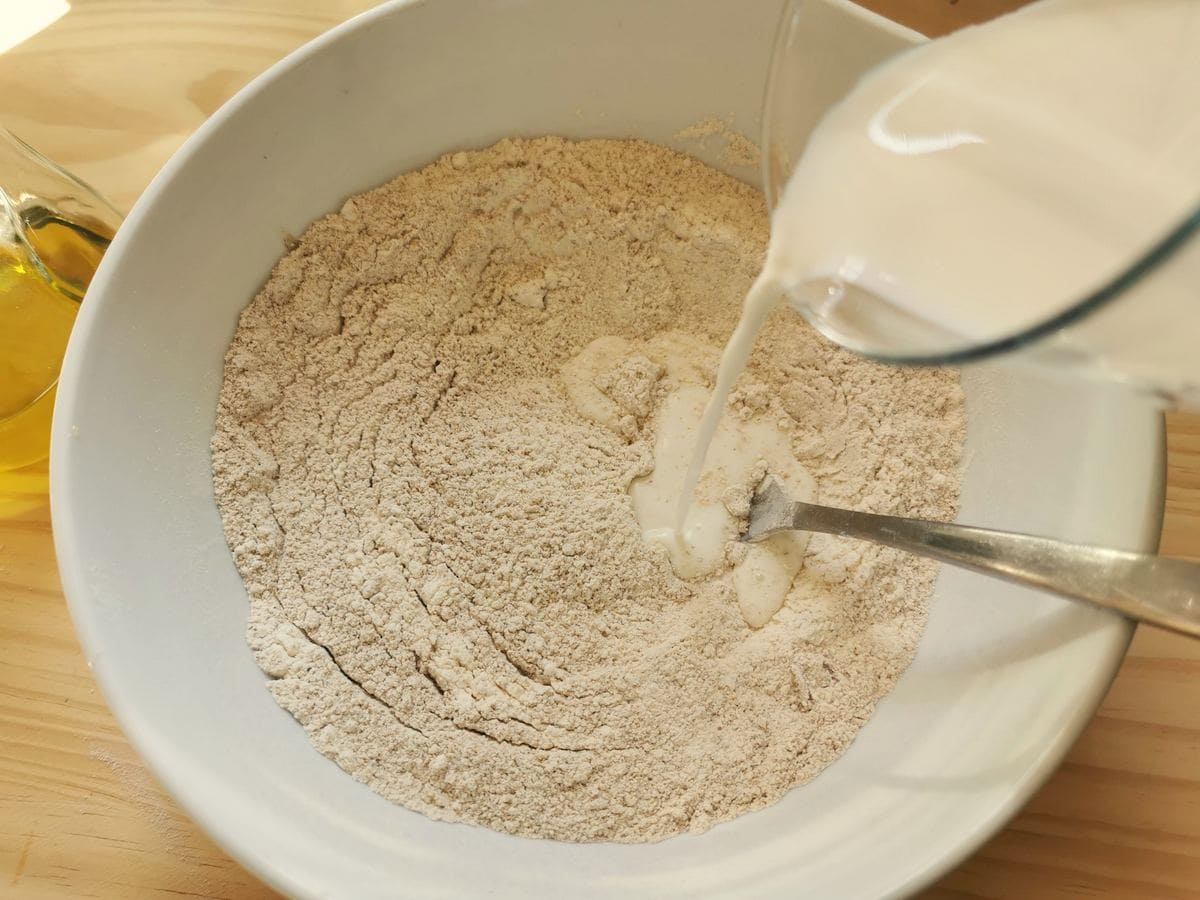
{"points": [[53, 231], [1030, 185]]}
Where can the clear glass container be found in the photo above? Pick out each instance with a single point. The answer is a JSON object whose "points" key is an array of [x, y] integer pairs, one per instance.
{"points": [[53, 231], [1133, 324]]}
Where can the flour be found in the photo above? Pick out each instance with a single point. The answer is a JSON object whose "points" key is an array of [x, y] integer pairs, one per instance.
{"points": [[449, 589], [736, 150]]}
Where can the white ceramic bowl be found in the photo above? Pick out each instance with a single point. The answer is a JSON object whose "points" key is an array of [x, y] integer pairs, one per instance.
{"points": [[1004, 678]]}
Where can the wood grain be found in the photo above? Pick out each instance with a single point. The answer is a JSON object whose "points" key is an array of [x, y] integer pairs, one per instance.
{"points": [[110, 90]]}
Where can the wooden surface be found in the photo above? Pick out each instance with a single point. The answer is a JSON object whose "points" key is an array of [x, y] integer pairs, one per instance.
{"points": [[110, 90]]}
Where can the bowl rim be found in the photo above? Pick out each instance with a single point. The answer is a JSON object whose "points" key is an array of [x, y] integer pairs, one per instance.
{"points": [[82, 608]]}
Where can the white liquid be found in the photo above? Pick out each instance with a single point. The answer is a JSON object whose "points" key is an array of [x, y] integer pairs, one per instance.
{"points": [[762, 297], [741, 451], [697, 533], [738, 454]]}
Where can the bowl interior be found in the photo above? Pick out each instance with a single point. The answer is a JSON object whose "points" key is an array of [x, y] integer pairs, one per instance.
{"points": [[1004, 677]]}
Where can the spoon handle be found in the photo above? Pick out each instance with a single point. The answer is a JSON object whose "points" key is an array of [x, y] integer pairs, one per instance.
{"points": [[1163, 592]]}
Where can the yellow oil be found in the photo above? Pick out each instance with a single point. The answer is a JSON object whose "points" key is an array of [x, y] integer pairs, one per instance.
{"points": [[42, 281]]}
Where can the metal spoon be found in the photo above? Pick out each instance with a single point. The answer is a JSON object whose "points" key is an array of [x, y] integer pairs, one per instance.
{"points": [[1163, 592]]}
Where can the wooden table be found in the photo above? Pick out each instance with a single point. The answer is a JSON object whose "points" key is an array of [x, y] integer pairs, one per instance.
{"points": [[110, 90]]}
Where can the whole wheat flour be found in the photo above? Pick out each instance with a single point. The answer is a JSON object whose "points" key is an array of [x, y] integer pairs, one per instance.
{"points": [[448, 586]]}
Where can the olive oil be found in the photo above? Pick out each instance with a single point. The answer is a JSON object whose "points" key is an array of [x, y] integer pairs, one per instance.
{"points": [[43, 275]]}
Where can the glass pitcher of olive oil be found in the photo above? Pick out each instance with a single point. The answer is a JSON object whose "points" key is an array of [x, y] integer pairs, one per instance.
{"points": [[53, 231]]}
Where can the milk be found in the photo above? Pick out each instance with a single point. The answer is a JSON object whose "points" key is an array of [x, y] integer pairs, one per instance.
{"points": [[738, 453]]}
